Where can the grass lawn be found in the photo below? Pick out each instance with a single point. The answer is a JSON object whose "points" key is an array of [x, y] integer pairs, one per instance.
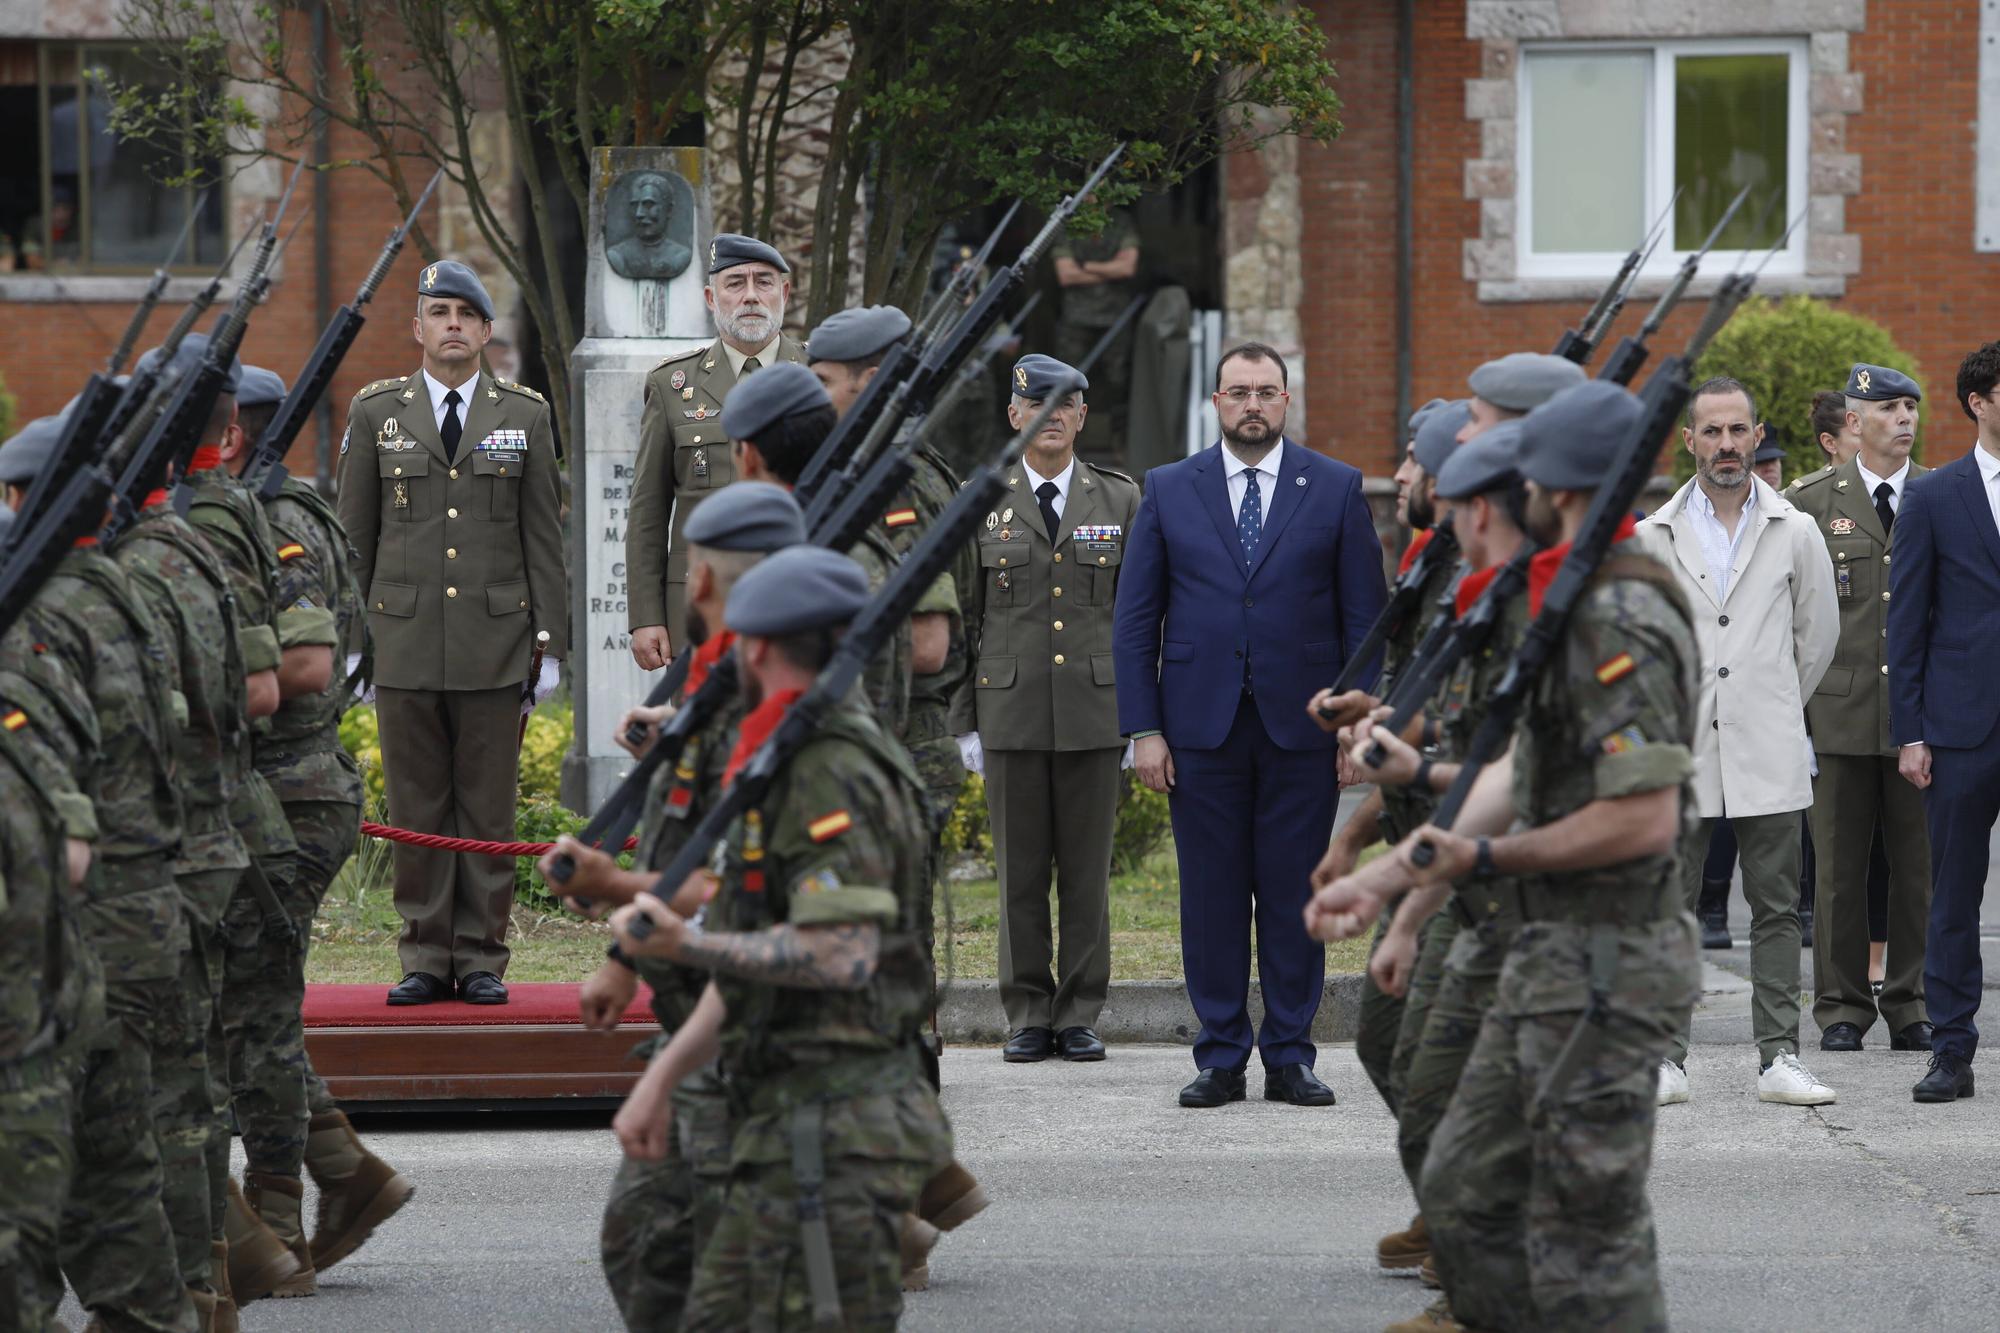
{"points": [[354, 937]]}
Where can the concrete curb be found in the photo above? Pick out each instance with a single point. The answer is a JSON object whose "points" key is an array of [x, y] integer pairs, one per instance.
{"points": [[1150, 1011]]}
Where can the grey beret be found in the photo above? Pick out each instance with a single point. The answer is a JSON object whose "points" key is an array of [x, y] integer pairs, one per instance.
{"points": [[24, 455], [856, 335], [732, 248], [1417, 417], [192, 349], [1521, 381], [1438, 434], [1877, 383], [1037, 376], [1487, 460], [747, 516], [769, 395], [448, 277], [260, 387], [799, 588], [1570, 442]]}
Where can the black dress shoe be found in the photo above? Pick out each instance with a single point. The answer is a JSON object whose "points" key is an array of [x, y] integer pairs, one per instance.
{"points": [[420, 988], [482, 988], [1296, 1084], [1805, 927], [1080, 1044], [1213, 1087], [1029, 1045], [1947, 1081], [1915, 1037], [1841, 1037]]}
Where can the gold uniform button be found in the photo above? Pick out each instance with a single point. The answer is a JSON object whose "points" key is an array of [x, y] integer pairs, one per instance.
{"points": [[454, 474], [1100, 559], [1885, 559], [1885, 670], [398, 472], [451, 513], [1058, 659], [524, 606], [451, 553], [1003, 562], [1056, 591], [986, 680], [1059, 624], [451, 592], [697, 439], [503, 469], [378, 606], [1059, 557], [1885, 596]]}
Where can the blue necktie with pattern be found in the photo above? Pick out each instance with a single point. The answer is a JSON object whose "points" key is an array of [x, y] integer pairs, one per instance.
{"points": [[1250, 517]]}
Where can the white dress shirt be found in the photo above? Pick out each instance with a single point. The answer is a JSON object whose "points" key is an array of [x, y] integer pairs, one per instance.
{"points": [[1989, 476], [438, 389], [1061, 479], [1869, 481], [1718, 546], [1233, 473], [766, 355]]}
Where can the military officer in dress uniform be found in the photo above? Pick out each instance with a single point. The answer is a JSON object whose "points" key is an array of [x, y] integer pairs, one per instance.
{"points": [[1858, 786], [459, 553], [1043, 717], [683, 454]]}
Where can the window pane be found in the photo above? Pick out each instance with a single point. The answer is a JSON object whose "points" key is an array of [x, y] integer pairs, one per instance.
{"points": [[1731, 129], [52, 236], [21, 151], [1588, 149], [133, 218]]}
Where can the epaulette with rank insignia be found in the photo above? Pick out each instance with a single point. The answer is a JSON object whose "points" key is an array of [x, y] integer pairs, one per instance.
{"points": [[1101, 470], [380, 385], [1810, 479], [522, 389], [689, 355]]}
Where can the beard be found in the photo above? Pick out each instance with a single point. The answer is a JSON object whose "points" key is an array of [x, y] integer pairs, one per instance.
{"points": [[1421, 509], [753, 689], [750, 324], [1254, 434], [697, 626], [1726, 482], [1544, 524]]}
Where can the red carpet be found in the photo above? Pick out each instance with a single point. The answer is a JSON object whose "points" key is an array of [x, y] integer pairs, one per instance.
{"points": [[528, 1002]]}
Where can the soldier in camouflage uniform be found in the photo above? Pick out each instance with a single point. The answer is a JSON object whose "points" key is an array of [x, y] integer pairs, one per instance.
{"points": [[1534, 1187], [819, 995], [299, 753], [660, 1213], [90, 649], [1098, 277]]}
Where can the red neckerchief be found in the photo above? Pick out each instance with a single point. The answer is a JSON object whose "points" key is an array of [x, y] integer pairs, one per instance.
{"points": [[205, 457], [756, 728], [1472, 585], [1410, 552], [705, 658], [1542, 568], [158, 497], [84, 543]]}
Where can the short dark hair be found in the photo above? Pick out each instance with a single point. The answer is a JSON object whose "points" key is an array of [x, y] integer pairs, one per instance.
{"points": [[254, 420], [789, 443], [1829, 413], [1253, 352], [219, 416], [1716, 385], [1978, 373], [809, 649]]}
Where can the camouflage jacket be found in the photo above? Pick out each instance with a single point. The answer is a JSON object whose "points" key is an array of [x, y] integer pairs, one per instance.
{"points": [[1460, 711], [1404, 809], [89, 626], [927, 734], [839, 839], [886, 683], [177, 574], [1613, 715], [54, 997], [299, 750]]}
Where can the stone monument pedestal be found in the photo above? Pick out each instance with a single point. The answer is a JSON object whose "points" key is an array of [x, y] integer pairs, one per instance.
{"points": [[630, 325]]}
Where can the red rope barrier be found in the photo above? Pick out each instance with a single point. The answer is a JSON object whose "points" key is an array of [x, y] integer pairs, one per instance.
{"points": [[441, 843]]}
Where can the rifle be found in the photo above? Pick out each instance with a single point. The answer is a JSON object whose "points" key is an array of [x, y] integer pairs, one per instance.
{"points": [[1578, 345], [889, 608], [1662, 401], [265, 473], [1405, 600], [1630, 353], [913, 393]]}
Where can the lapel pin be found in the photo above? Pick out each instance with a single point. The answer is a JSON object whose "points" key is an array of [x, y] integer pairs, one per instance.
{"points": [[1298, 481]]}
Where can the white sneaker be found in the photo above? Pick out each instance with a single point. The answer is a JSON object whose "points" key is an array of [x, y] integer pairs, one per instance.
{"points": [[1786, 1080], [1673, 1083]]}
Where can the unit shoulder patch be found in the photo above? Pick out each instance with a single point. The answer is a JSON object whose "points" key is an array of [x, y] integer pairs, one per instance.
{"points": [[831, 826], [291, 551], [1616, 669]]}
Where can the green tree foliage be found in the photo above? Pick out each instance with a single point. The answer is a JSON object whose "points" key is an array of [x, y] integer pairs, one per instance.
{"points": [[8, 406], [1786, 350]]}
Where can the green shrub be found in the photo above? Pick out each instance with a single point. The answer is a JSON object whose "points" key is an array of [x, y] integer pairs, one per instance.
{"points": [[1787, 350], [968, 833], [540, 820], [550, 731], [8, 406], [1143, 826]]}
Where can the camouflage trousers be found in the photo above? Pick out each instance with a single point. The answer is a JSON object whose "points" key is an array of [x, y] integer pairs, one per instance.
{"points": [[1381, 1020], [263, 988], [1461, 994], [37, 1157], [1537, 1204], [661, 1214], [191, 1101], [117, 1247]]}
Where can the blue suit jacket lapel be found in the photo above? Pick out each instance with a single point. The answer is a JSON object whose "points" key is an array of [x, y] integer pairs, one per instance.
{"points": [[1972, 489], [1278, 509], [1214, 488]]}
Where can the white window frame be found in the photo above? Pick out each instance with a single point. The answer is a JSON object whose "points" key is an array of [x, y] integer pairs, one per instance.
{"points": [[1531, 265]]}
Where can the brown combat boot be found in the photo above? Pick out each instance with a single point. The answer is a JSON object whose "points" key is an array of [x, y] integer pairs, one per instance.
{"points": [[204, 1310], [918, 1239], [218, 1276], [358, 1191], [951, 1198], [1406, 1248], [1429, 1273], [277, 1201], [258, 1260], [1436, 1319]]}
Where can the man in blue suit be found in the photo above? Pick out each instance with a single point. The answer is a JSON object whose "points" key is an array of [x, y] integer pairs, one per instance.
{"points": [[1944, 636], [1251, 573]]}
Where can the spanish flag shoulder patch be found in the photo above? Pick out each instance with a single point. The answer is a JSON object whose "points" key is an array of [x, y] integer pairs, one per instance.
{"points": [[14, 719], [899, 518], [1616, 669], [829, 826], [291, 551]]}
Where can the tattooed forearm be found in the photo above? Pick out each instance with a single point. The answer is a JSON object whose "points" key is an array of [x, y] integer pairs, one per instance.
{"points": [[838, 957]]}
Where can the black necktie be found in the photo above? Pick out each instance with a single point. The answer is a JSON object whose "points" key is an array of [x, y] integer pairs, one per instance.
{"points": [[1045, 494], [452, 427], [1882, 509], [751, 363]]}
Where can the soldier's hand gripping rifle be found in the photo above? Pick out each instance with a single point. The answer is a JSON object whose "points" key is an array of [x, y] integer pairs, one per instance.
{"points": [[1631, 351], [1578, 344], [885, 612], [265, 474], [914, 393]]}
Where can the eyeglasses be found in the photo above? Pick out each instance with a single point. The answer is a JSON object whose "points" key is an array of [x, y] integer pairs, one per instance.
{"points": [[1242, 396]]}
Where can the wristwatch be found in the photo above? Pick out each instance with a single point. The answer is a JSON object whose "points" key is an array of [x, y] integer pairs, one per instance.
{"points": [[617, 955], [1422, 779], [1482, 861]]}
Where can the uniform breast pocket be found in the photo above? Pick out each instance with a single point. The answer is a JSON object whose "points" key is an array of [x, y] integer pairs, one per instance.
{"points": [[1004, 566], [701, 457], [1854, 570], [496, 485], [406, 485], [1099, 561]]}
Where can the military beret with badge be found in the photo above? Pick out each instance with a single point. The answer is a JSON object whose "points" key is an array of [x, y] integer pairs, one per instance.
{"points": [[1875, 384], [448, 277], [729, 249], [1036, 376]]}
